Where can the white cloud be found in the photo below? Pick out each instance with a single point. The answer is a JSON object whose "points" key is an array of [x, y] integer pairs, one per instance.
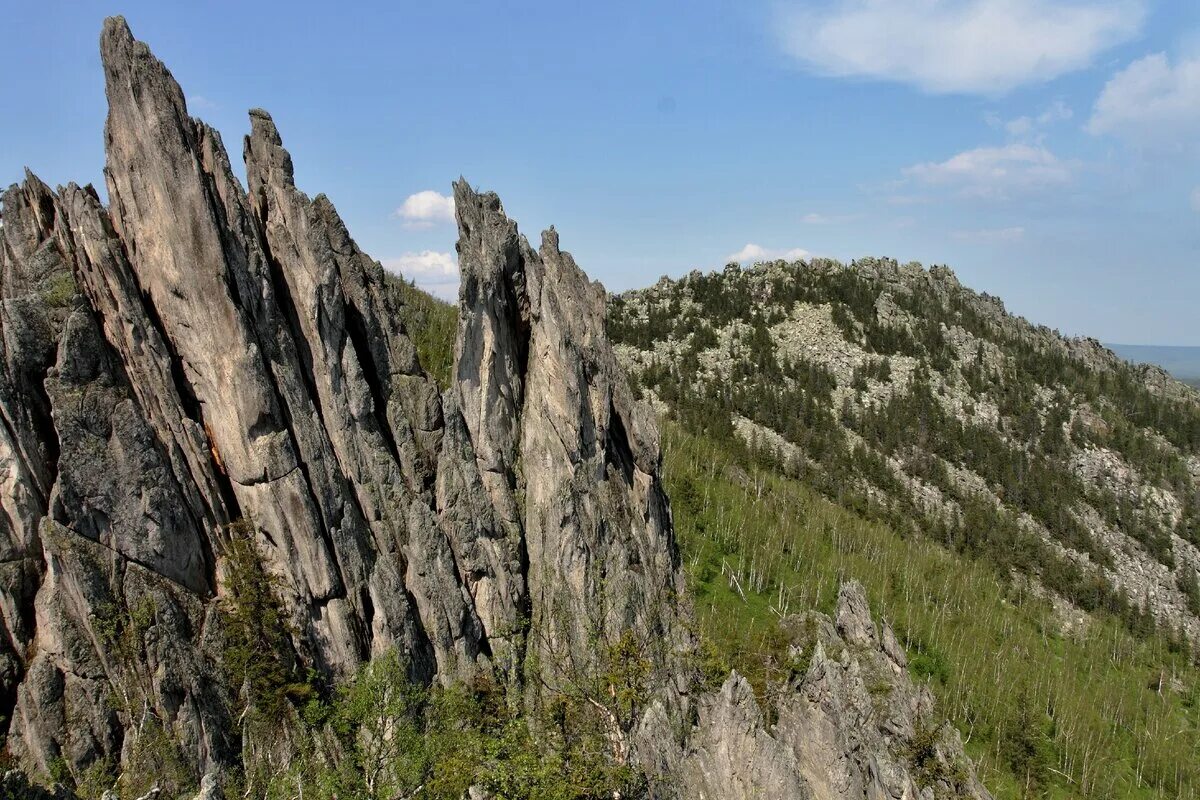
{"points": [[436, 273], [1026, 127], [991, 235], [1019, 127], [995, 172], [423, 209], [827, 219], [199, 102], [956, 46], [754, 253], [1151, 102]]}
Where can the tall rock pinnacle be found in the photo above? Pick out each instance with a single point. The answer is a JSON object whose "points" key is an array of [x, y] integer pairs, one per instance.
{"points": [[249, 364], [552, 419]]}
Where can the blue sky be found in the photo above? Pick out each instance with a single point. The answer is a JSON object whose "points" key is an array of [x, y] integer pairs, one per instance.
{"points": [[1047, 150]]}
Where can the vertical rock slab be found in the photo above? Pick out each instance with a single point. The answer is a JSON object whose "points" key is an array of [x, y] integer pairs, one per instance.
{"points": [[488, 548], [602, 555], [36, 295], [121, 658], [379, 410], [561, 446], [115, 506], [105, 277], [198, 259]]}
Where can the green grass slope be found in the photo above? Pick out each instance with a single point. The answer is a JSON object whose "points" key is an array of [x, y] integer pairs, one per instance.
{"points": [[1097, 713], [432, 324]]}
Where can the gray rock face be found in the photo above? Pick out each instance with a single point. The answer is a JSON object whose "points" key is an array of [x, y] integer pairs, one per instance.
{"points": [[198, 354], [115, 530], [195, 355], [731, 754], [564, 453], [849, 725], [858, 725]]}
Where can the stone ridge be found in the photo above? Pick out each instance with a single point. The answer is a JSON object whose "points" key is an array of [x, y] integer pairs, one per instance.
{"points": [[199, 354], [199, 366]]}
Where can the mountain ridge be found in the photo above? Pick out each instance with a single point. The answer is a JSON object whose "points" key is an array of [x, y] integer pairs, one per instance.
{"points": [[846, 346], [1182, 361], [925, 413]]}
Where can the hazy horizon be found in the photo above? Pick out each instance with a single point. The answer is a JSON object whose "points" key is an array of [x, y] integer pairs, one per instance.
{"points": [[1183, 362]]}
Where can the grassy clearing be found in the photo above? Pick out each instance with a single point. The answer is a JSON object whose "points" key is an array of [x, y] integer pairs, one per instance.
{"points": [[1096, 714]]}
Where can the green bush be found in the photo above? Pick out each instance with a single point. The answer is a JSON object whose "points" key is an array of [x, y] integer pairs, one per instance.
{"points": [[59, 291], [257, 657], [432, 325]]}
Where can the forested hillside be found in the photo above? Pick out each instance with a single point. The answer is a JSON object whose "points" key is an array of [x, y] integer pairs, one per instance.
{"points": [[904, 396], [1089, 711], [1023, 506]]}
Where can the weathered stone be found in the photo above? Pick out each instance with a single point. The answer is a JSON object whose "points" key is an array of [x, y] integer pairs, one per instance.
{"points": [[844, 728], [562, 448], [733, 757]]}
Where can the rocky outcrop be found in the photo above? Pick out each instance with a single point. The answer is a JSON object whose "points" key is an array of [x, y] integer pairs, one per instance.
{"points": [[858, 724], [198, 354], [850, 723], [564, 452], [195, 355], [198, 368]]}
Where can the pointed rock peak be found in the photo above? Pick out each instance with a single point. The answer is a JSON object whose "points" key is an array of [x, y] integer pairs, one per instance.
{"points": [[854, 614], [131, 69], [115, 35], [29, 211], [32, 178], [472, 206], [463, 191], [265, 155], [489, 246], [38, 195], [116, 26]]}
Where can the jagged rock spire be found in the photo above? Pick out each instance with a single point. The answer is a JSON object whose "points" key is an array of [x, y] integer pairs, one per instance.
{"points": [[254, 367], [553, 423], [242, 359]]}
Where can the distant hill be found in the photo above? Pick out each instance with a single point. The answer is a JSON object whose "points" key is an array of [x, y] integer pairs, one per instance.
{"points": [[1182, 362], [884, 421], [898, 391]]}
